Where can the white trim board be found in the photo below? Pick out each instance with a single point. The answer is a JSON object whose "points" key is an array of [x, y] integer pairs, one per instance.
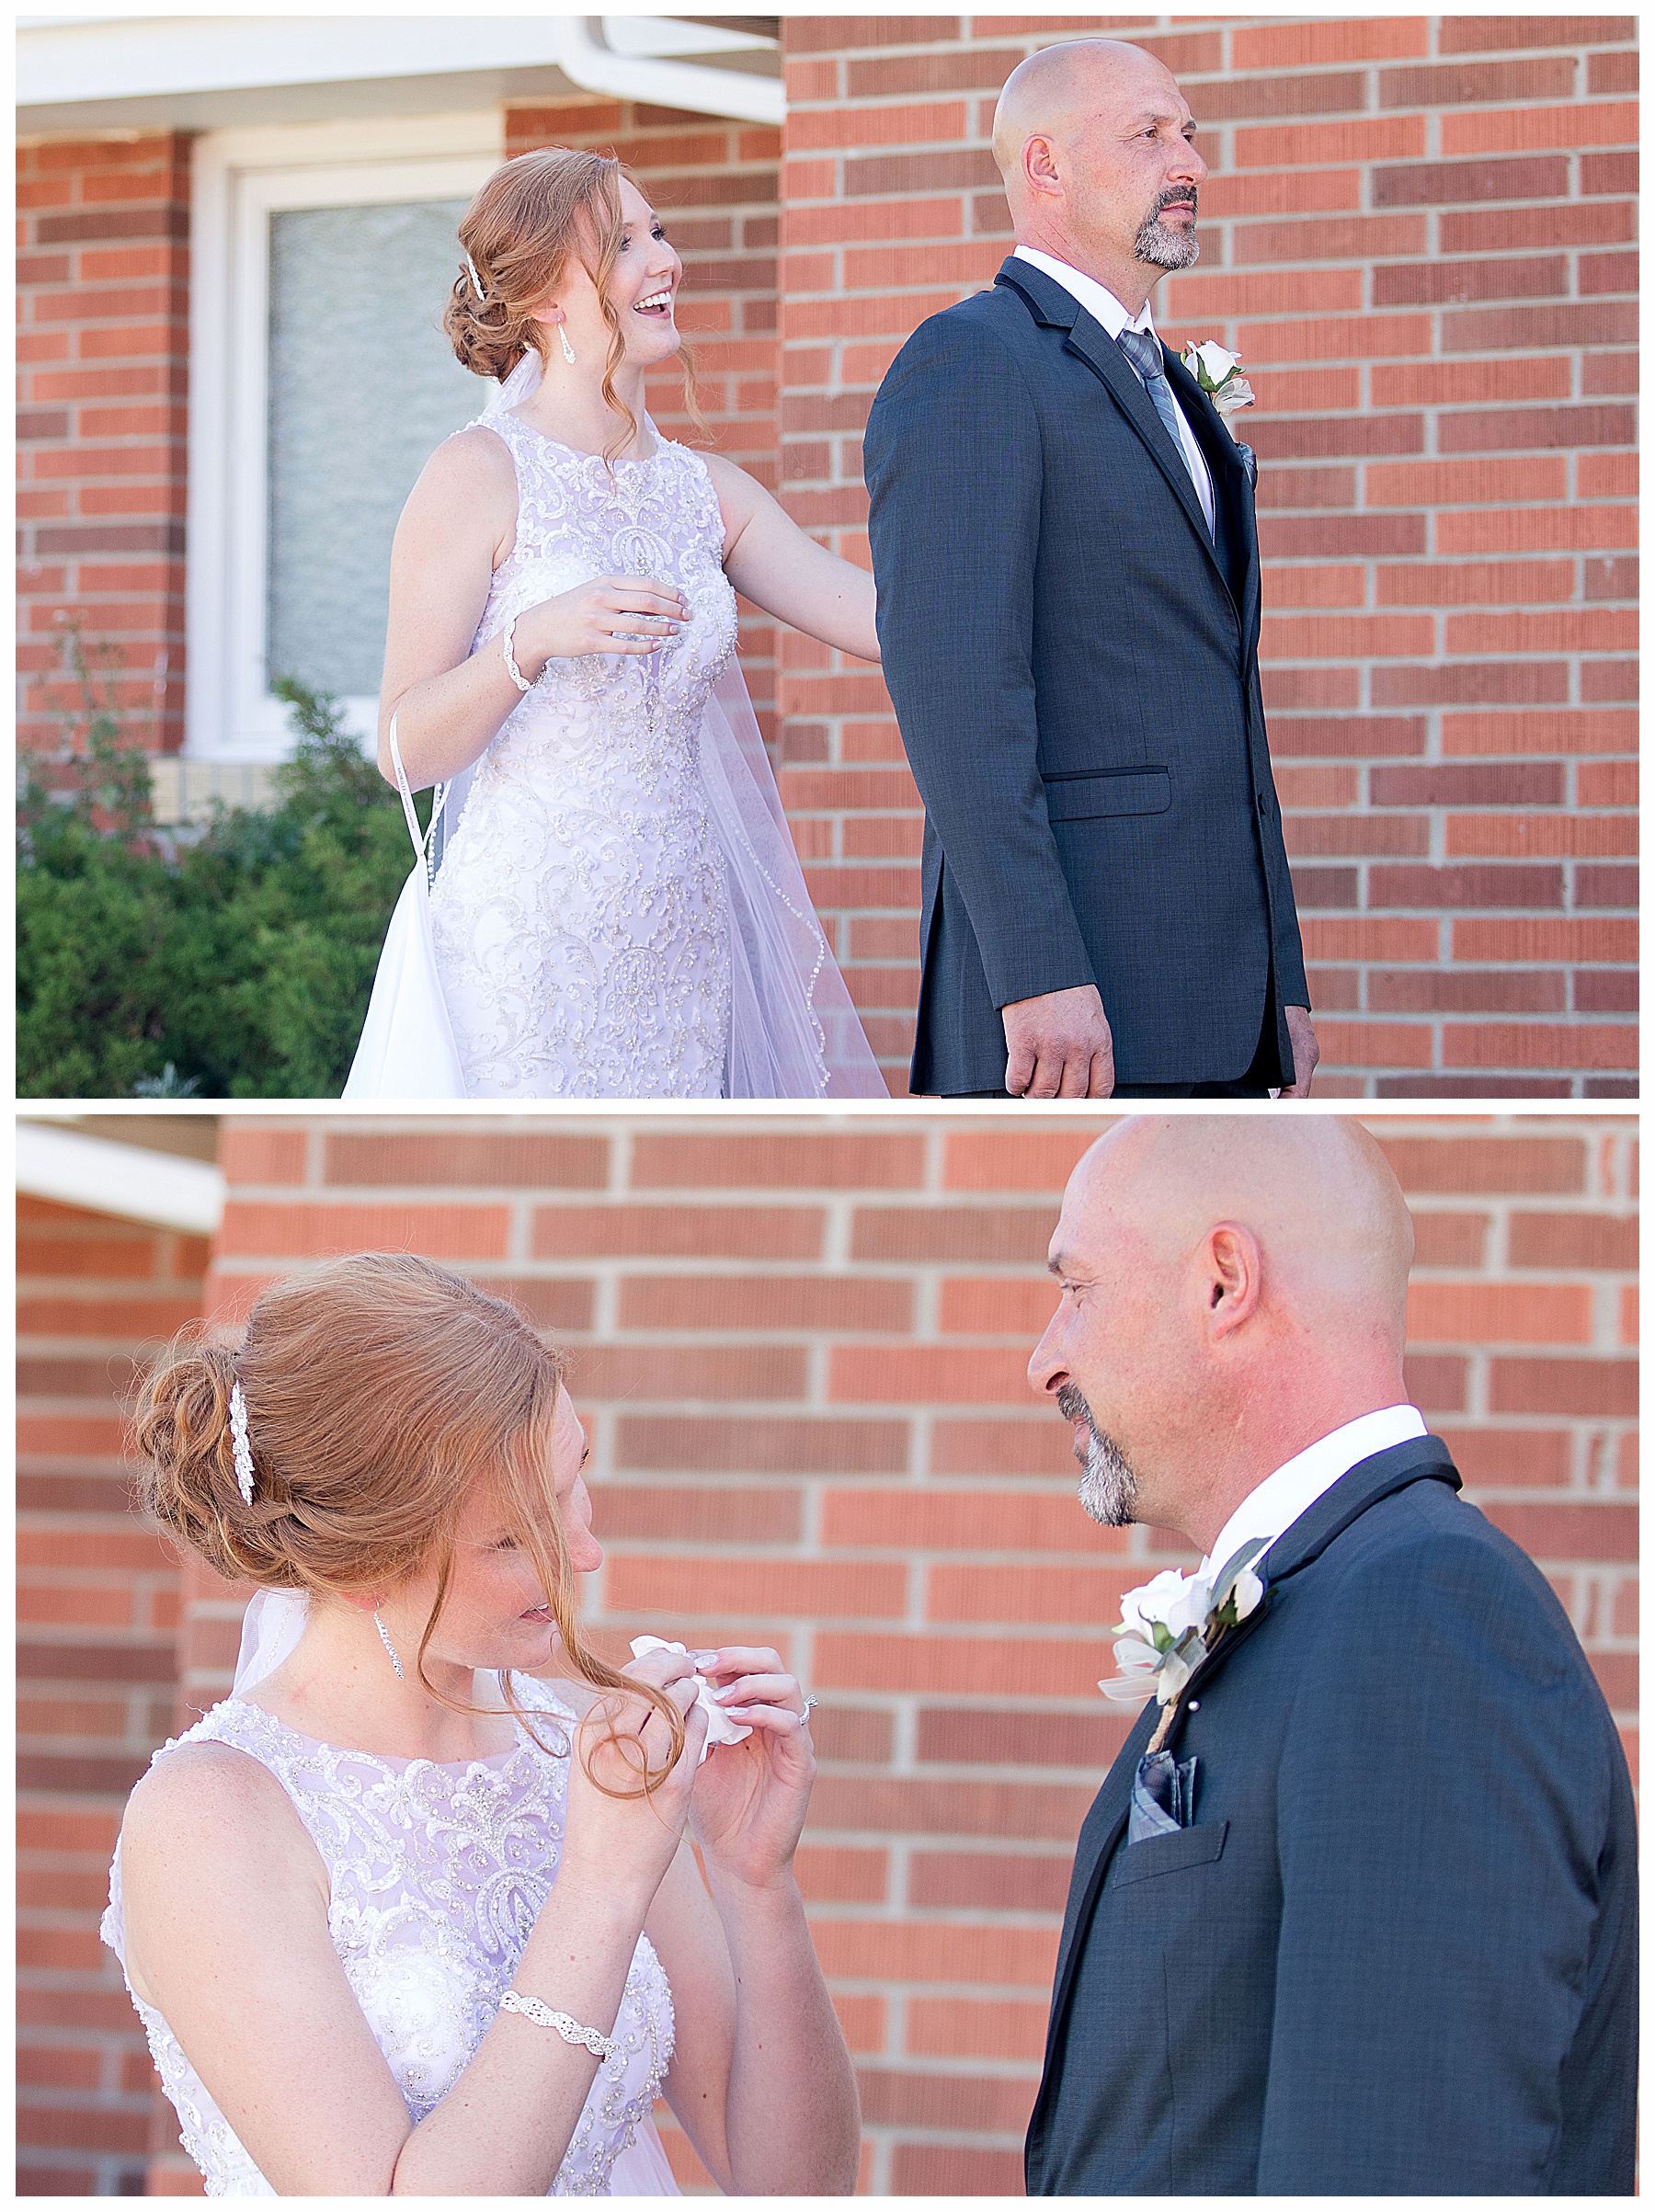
{"points": [[129, 1181], [239, 177]]}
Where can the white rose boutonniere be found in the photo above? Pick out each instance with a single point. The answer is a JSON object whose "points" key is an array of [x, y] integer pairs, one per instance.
{"points": [[1218, 372], [1168, 1627]]}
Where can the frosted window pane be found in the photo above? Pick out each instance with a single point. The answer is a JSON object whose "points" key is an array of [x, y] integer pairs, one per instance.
{"points": [[363, 387]]}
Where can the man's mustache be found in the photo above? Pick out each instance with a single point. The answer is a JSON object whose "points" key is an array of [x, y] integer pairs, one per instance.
{"points": [[1074, 1408], [1181, 196]]}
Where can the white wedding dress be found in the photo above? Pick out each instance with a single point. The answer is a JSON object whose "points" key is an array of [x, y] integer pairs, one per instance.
{"points": [[436, 1875], [617, 909]]}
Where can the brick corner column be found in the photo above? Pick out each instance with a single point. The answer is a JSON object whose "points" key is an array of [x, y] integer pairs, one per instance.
{"points": [[863, 262], [103, 374]]}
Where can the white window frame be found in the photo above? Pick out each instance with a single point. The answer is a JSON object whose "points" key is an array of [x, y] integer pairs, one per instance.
{"points": [[240, 178]]}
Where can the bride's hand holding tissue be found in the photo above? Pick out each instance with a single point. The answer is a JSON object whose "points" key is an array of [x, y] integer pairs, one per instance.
{"points": [[748, 1805], [619, 1841], [736, 1945]]}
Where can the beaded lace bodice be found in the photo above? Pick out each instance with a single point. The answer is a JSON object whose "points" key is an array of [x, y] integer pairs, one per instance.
{"points": [[435, 1876], [580, 911]]}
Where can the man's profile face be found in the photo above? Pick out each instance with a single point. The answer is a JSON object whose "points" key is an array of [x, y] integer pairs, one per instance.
{"points": [[1099, 1357], [1136, 173]]}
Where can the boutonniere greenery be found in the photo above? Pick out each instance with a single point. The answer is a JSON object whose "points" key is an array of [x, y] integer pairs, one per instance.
{"points": [[1168, 1627], [1218, 372]]}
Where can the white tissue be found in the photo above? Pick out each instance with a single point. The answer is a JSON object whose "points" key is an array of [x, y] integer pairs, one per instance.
{"points": [[721, 1728]]}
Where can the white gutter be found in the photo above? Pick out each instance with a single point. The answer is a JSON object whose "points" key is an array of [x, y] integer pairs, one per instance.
{"points": [[587, 58], [127, 1180]]}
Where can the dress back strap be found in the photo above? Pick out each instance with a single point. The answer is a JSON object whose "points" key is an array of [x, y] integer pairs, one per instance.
{"points": [[423, 840]]}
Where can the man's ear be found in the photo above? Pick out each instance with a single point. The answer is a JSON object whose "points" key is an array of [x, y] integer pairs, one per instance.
{"points": [[1040, 170], [1233, 1273]]}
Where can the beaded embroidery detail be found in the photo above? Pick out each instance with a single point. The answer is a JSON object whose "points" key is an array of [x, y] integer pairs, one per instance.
{"points": [[437, 1874], [580, 912]]}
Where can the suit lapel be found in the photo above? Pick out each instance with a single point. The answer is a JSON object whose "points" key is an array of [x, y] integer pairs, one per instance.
{"points": [[1224, 463], [1098, 1833], [1091, 343], [1421, 1459]]}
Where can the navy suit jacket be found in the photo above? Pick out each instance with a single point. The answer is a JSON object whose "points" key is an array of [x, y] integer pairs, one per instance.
{"points": [[1074, 665], [1396, 1953]]}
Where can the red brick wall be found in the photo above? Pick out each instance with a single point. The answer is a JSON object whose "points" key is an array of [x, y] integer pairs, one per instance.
{"points": [[714, 182], [103, 361], [1418, 230], [799, 1348], [97, 1617]]}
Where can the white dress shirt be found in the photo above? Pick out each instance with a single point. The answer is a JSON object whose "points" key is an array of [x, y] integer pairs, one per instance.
{"points": [[1280, 1498], [1102, 306]]}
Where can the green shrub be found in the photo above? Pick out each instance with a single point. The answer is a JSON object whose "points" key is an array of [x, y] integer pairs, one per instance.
{"points": [[232, 963]]}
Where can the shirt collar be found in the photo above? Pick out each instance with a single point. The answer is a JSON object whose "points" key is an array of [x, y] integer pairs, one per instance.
{"points": [[1272, 1509], [1099, 301]]}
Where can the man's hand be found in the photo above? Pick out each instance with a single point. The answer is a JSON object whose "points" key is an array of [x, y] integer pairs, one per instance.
{"points": [[1306, 1052], [1058, 1046]]}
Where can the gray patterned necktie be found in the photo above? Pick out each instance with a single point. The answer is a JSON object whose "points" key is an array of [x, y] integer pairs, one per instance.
{"points": [[1142, 349]]}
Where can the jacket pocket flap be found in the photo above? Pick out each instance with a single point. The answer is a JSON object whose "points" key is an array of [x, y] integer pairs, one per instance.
{"points": [[1197, 1846], [1128, 790]]}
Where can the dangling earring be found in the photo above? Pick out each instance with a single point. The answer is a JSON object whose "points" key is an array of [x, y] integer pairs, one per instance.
{"points": [[390, 1646], [568, 349]]}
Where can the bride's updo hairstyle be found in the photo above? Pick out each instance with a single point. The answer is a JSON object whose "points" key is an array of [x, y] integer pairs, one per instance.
{"points": [[532, 213], [380, 1390]]}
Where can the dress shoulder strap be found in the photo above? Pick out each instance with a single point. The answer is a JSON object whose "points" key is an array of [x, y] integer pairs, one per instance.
{"points": [[536, 1696], [506, 428], [244, 1727]]}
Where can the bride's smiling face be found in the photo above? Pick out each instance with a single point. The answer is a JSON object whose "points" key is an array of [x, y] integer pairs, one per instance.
{"points": [[642, 289], [496, 1613]]}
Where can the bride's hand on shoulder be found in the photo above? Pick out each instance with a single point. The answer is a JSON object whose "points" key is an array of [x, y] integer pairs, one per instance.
{"points": [[616, 1838], [749, 1801], [610, 614]]}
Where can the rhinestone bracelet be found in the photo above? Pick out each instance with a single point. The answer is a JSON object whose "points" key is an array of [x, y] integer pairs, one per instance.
{"points": [[570, 2030], [512, 669]]}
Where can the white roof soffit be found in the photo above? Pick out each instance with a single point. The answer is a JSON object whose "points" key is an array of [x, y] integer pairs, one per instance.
{"points": [[79, 72], [127, 1180]]}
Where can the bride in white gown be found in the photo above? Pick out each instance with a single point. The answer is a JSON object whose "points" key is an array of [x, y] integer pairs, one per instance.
{"points": [[618, 910], [398, 1916]]}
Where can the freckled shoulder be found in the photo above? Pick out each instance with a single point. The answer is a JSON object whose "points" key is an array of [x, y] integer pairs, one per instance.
{"points": [[469, 481], [475, 459]]}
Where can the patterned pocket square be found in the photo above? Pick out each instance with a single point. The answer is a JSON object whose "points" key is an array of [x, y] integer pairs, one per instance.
{"points": [[1163, 1797]]}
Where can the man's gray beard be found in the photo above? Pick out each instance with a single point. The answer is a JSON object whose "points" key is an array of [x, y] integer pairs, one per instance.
{"points": [[1108, 1486], [1162, 248]]}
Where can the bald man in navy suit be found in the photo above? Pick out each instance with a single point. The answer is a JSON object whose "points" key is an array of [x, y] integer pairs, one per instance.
{"points": [[1067, 565], [1354, 1912]]}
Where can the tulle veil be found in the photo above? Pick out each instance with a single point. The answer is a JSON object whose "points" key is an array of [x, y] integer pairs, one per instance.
{"points": [[793, 1031], [271, 1627]]}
